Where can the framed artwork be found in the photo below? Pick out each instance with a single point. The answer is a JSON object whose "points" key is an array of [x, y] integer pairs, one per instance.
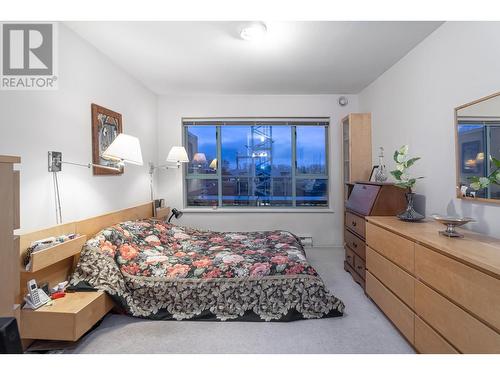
{"points": [[106, 125]]}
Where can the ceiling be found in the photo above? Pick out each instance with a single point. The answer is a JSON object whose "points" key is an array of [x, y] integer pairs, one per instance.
{"points": [[191, 57]]}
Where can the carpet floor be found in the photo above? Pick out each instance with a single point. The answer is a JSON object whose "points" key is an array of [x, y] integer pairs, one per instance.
{"points": [[362, 329]]}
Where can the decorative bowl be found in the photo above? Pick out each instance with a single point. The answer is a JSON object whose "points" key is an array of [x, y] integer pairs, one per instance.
{"points": [[451, 222]]}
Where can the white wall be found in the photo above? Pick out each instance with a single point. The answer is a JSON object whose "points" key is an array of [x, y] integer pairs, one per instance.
{"points": [[33, 123], [324, 227], [413, 102]]}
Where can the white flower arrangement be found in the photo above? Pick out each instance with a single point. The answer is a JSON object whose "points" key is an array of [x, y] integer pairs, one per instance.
{"points": [[479, 183], [403, 162]]}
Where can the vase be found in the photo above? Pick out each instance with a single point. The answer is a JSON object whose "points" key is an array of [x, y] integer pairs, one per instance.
{"points": [[410, 214], [381, 175]]}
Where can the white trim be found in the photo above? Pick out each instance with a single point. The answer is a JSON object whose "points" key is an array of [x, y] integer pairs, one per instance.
{"points": [[259, 210], [215, 121]]}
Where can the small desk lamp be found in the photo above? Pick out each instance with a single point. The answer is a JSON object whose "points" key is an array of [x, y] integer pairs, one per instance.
{"points": [[176, 213], [176, 155]]}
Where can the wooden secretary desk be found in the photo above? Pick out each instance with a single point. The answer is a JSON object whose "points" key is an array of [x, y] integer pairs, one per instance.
{"points": [[366, 199]]}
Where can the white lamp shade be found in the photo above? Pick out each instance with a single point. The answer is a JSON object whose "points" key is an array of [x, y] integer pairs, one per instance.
{"points": [[124, 148], [199, 157], [178, 154], [213, 164]]}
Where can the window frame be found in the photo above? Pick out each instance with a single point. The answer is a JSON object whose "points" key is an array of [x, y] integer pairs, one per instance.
{"points": [[294, 175]]}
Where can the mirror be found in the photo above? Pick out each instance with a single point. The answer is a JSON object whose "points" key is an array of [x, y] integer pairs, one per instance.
{"points": [[478, 149]]}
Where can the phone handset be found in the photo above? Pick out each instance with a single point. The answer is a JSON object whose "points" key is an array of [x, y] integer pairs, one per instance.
{"points": [[35, 297]]}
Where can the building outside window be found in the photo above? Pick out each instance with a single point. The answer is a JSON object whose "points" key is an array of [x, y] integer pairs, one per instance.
{"points": [[256, 163]]}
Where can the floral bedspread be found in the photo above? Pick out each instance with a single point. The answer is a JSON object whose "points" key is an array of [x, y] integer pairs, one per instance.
{"points": [[163, 271]]}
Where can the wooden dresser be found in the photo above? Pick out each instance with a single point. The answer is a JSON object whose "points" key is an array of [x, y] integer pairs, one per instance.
{"points": [[9, 221], [443, 294], [366, 198]]}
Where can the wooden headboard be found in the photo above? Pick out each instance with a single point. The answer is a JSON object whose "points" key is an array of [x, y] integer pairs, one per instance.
{"points": [[56, 264]]}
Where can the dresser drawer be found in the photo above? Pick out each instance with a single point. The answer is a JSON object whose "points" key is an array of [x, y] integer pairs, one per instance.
{"points": [[360, 280], [474, 290], [461, 329], [396, 311], [394, 278], [428, 341], [355, 223], [349, 257], [355, 243], [359, 266], [395, 248]]}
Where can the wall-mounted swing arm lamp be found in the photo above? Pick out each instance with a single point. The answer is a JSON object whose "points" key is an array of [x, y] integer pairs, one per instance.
{"points": [[124, 149], [177, 155], [56, 162]]}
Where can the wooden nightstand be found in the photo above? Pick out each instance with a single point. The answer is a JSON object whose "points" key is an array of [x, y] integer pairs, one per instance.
{"points": [[68, 318]]}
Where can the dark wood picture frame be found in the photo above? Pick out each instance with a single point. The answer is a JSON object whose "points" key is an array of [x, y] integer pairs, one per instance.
{"points": [[372, 175], [106, 125]]}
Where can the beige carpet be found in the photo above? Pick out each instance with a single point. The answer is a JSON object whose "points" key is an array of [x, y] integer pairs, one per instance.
{"points": [[363, 329]]}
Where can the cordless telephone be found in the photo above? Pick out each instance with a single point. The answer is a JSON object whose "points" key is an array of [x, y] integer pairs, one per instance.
{"points": [[36, 297]]}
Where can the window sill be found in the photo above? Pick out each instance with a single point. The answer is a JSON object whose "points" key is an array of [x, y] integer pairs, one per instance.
{"points": [[259, 210]]}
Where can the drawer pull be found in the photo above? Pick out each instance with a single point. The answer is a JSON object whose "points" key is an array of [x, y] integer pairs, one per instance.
{"points": [[359, 267], [349, 257], [353, 223], [354, 244]]}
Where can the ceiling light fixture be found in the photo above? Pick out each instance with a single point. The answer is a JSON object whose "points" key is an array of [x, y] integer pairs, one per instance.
{"points": [[253, 32]]}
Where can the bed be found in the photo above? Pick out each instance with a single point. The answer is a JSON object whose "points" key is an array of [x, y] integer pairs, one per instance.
{"points": [[157, 270]]}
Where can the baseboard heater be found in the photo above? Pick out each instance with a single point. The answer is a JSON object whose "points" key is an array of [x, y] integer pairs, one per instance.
{"points": [[307, 241]]}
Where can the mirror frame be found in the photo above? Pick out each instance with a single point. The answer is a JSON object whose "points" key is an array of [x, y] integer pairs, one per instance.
{"points": [[457, 160]]}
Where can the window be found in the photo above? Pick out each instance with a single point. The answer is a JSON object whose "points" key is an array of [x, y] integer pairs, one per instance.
{"points": [[256, 163]]}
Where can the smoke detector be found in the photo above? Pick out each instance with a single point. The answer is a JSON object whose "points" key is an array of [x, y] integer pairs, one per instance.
{"points": [[343, 101]]}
